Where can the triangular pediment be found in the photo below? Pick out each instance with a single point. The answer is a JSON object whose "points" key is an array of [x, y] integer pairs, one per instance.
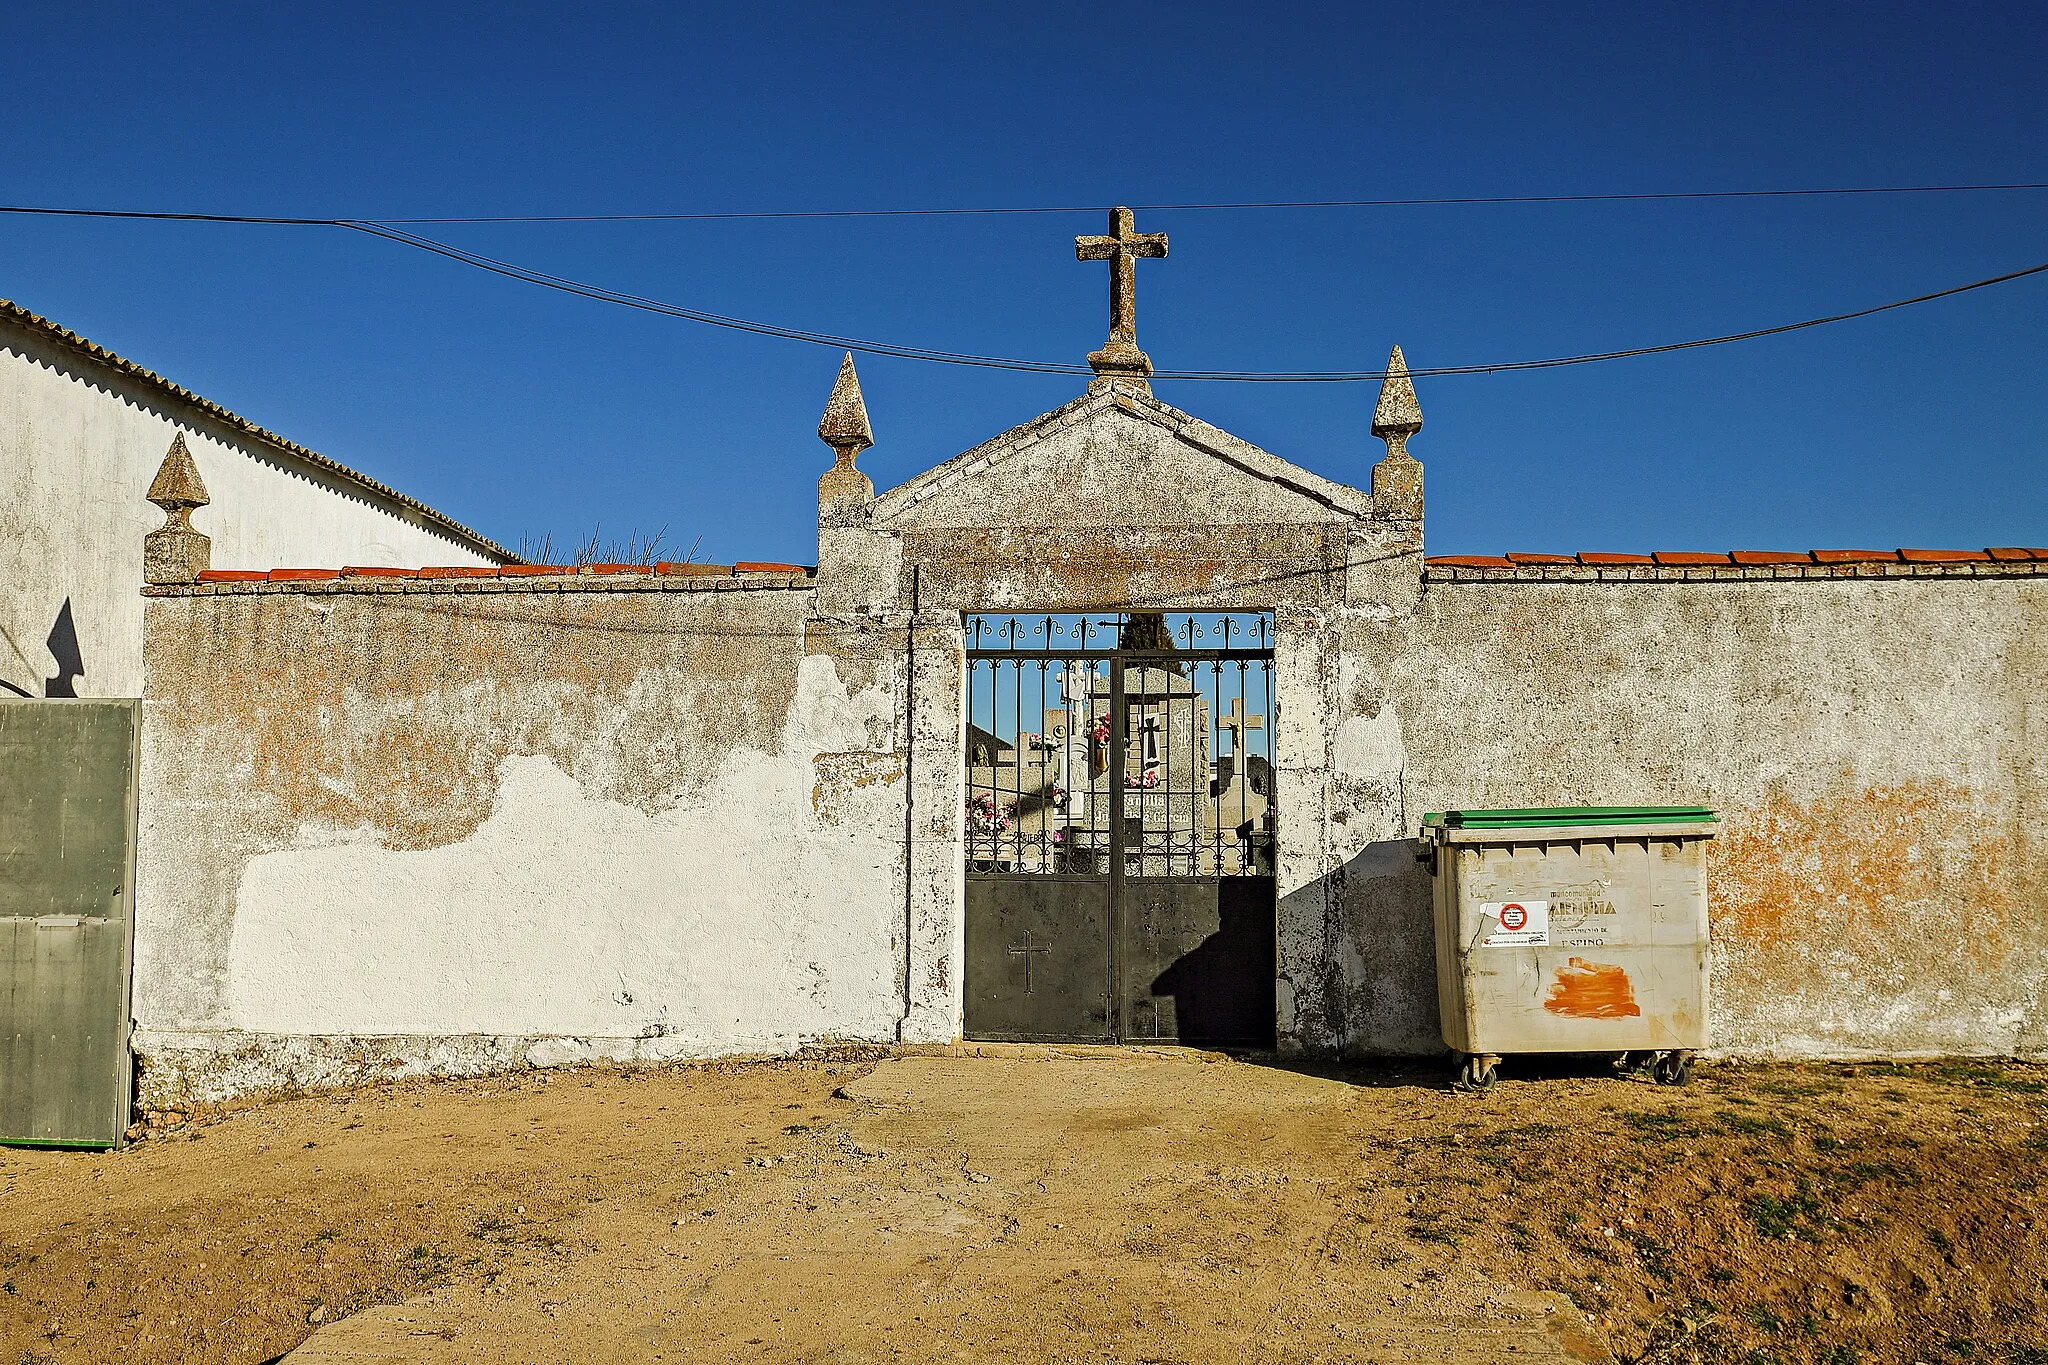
{"points": [[1116, 457]]}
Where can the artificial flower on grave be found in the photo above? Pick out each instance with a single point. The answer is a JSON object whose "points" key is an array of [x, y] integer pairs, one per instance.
{"points": [[984, 816]]}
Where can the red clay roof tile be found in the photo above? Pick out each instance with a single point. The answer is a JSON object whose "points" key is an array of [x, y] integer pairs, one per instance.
{"points": [[460, 571], [1471, 561], [1514, 558], [1771, 557], [1598, 557], [535, 570], [761, 566], [1855, 556], [614, 568], [301, 575], [1691, 558], [232, 575], [1942, 556], [377, 571]]}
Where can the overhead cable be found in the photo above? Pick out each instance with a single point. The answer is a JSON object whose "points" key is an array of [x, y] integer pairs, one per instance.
{"points": [[1058, 367], [389, 231], [1650, 196]]}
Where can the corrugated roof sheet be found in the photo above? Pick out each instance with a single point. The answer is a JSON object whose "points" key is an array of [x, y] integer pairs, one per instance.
{"points": [[70, 340]]}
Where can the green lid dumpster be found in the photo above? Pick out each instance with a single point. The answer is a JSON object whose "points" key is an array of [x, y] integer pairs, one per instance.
{"points": [[1571, 929]]}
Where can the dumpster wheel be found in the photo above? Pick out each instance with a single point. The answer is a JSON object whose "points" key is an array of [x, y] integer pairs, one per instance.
{"points": [[1476, 1073], [1672, 1068]]}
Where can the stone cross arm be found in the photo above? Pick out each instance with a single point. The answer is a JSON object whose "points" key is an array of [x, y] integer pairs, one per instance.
{"points": [[1237, 722], [1123, 238]]}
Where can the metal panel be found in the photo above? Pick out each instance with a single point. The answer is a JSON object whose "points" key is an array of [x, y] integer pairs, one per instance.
{"points": [[67, 838], [1037, 963], [1198, 959]]}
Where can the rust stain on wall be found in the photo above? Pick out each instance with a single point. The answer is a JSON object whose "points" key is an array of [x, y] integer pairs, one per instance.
{"points": [[840, 775], [1592, 990], [1868, 862], [392, 712]]}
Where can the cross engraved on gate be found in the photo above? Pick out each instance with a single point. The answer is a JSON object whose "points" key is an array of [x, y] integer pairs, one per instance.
{"points": [[1025, 950]]}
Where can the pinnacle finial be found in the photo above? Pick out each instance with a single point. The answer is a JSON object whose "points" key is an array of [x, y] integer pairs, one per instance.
{"points": [[177, 483], [1399, 414], [845, 492], [1397, 480], [175, 552], [845, 424]]}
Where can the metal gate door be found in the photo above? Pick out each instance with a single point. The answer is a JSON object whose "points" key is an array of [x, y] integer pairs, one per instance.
{"points": [[67, 841], [1119, 862]]}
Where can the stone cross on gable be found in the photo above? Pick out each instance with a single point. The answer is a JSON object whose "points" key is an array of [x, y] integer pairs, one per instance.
{"points": [[1238, 723], [1122, 247]]}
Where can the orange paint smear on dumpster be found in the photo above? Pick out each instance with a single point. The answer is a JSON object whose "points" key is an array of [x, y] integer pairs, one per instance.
{"points": [[1592, 990]]}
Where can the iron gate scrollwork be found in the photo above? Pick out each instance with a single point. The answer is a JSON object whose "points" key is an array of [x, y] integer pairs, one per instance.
{"points": [[1120, 826]]}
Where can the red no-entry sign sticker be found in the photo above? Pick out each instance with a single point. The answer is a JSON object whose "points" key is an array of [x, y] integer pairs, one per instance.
{"points": [[1512, 924]]}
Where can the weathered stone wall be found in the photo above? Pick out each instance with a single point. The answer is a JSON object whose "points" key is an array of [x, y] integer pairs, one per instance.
{"points": [[457, 823], [81, 434], [1877, 744], [462, 823]]}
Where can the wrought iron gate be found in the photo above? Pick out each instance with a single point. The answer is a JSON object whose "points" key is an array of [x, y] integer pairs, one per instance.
{"points": [[1119, 865]]}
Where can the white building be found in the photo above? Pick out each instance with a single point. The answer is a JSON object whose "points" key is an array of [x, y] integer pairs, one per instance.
{"points": [[82, 430]]}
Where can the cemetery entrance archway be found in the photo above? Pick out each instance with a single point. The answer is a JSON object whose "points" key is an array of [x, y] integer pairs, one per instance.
{"points": [[1121, 818]]}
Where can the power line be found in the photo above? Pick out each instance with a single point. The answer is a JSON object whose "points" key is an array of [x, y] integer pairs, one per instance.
{"points": [[1559, 361], [1250, 204], [1057, 367], [391, 232], [1439, 201]]}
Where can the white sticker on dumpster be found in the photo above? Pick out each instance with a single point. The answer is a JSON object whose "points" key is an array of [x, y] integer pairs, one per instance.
{"points": [[1515, 924]]}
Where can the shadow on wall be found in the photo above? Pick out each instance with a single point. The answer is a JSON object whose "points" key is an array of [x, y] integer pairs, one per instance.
{"points": [[63, 647], [1222, 988], [1374, 953]]}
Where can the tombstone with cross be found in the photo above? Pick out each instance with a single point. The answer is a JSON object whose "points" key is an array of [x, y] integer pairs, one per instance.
{"points": [[1239, 724]]}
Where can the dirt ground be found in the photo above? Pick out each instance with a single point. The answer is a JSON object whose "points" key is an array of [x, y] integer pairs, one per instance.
{"points": [[1057, 1206]]}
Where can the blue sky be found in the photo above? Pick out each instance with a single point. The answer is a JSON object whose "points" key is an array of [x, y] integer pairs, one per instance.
{"points": [[521, 411]]}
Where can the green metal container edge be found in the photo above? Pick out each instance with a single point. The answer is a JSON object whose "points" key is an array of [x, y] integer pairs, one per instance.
{"points": [[1533, 816]]}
